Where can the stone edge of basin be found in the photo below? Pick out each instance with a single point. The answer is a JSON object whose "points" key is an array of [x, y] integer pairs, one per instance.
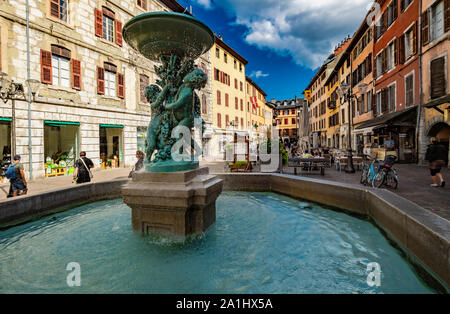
{"points": [[409, 226]]}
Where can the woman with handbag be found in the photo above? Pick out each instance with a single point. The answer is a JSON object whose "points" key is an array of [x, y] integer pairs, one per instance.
{"points": [[83, 167]]}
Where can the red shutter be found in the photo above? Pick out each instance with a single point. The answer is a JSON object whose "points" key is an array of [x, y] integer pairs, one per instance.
{"points": [[98, 23], [46, 67], [414, 46], [100, 81], [218, 98], [55, 8], [119, 33], [120, 86], [76, 74]]}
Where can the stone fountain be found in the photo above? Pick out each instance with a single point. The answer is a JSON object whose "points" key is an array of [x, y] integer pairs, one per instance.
{"points": [[173, 195]]}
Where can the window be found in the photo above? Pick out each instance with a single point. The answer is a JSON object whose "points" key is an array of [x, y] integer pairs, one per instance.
{"points": [[379, 99], [61, 71], [392, 12], [225, 58], [219, 120], [143, 83], [404, 4], [240, 67], [108, 28], [391, 98], [110, 83], [409, 90], [217, 53], [241, 86], [235, 64], [293, 121], [227, 120], [438, 81], [142, 4], [204, 105], [106, 25], [226, 100], [437, 21], [58, 9], [236, 103], [218, 97], [409, 42], [369, 101], [391, 54]]}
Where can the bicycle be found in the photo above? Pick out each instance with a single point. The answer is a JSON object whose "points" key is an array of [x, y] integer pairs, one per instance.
{"points": [[387, 175], [369, 171]]}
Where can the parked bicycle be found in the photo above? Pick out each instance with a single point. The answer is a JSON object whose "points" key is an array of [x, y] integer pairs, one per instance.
{"points": [[387, 174], [369, 170]]}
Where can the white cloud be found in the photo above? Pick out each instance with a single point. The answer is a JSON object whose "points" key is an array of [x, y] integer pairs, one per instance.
{"points": [[205, 3], [258, 74], [304, 29]]}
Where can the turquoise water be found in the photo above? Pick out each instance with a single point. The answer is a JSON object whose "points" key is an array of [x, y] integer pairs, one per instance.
{"points": [[261, 243]]}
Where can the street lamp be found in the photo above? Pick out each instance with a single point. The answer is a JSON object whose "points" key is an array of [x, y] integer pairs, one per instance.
{"points": [[344, 92]]}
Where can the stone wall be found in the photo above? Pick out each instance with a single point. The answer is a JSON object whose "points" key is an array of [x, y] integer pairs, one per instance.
{"points": [[85, 106]]}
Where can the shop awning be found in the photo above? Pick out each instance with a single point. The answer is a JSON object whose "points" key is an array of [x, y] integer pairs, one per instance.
{"points": [[405, 117], [111, 126], [5, 119], [60, 123], [437, 102]]}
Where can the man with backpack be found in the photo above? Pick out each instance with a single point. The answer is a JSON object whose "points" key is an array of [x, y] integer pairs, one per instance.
{"points": [[83, 167], [16, 176]]}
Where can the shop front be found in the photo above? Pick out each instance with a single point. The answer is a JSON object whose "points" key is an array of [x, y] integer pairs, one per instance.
{"points": [[394, 134], [5, 146], [61, 147], [141, 138], [111, 146]]}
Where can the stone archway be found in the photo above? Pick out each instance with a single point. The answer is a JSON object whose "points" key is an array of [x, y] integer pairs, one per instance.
{"points": [[439, 129]]}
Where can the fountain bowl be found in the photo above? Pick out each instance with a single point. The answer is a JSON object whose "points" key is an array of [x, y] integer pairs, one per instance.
{"points": [[157, 34]]}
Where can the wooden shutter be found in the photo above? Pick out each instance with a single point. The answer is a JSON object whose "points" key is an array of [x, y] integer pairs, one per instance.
{"points": [[401, 49], [120, 86], [385, 99], [425, 27], [100, 81], [438, 82], [55, 8], [119, 40], [447, 15], [395, 53], [414, 43], [374, 104], [384, 60], [76, 74], [219, 120], [46, 67], [98, 23], [218, 98]]}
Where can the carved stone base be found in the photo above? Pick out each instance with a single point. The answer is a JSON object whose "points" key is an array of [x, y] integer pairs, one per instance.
{"points": [[177, 203]]}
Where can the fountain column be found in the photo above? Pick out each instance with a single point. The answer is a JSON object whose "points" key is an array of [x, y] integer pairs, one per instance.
{"points": [[172, 195]]}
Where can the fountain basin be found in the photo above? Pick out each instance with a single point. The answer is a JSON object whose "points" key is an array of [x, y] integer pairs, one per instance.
{"points": [[262, 243], [157, 34]]}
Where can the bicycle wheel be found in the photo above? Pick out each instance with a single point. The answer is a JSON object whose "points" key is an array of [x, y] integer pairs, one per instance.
{"points": [[392, 181], [379, 180], [364, 177]]}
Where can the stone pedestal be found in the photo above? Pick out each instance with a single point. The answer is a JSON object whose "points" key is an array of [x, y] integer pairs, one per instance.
{"points": [[177, 203]]}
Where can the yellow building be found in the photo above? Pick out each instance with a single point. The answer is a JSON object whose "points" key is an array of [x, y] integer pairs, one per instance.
{"points": [[228, 96], [257, 109], [287, 122]]}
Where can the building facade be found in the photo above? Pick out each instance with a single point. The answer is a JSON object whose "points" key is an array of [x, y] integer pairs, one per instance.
{"points": [[435, 45], [397, 78], [91, 95], [229, 113], [286, 115]]}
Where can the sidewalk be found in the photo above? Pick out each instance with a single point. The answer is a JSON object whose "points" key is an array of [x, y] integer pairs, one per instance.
{"points": [[50, 184], [414, 184]]}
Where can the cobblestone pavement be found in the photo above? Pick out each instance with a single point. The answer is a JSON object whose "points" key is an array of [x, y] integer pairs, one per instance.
{"points": [[50, 184], [414, 184]]}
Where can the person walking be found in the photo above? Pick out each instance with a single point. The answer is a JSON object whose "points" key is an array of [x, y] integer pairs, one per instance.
{"points": [[83, 167], [16, 176], [436, 155], [139, 164]]}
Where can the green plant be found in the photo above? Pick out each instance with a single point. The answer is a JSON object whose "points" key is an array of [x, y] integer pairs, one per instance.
{"points": [[240, 164], [283, 152]]}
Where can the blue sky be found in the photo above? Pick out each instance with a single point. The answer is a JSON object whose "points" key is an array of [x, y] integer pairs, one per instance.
{"points": [[285, 41]]}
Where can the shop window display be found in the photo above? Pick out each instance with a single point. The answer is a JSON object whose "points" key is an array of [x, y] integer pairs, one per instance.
{"points": [[5, 148], [60, 148], [111, 141]]}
